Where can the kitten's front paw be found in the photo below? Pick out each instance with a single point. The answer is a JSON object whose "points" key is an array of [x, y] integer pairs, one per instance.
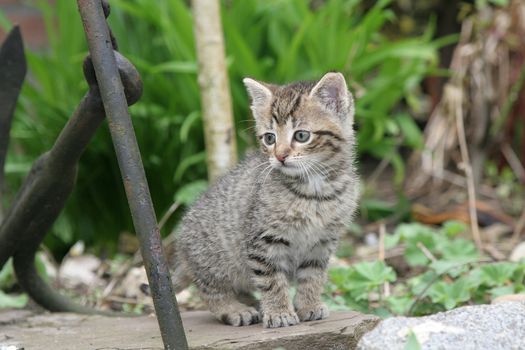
{"points": [[280, 319], [244, 317], [313, 312]]}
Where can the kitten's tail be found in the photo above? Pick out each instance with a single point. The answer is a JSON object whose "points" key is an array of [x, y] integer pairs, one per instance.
{"points": [[180, 279]]}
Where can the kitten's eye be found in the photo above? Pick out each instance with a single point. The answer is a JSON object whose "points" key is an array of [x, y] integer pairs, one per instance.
{"points": [[269, 138], [301, 136]]}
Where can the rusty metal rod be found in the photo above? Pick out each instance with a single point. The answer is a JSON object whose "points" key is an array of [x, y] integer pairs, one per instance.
{"points": [[133, 175], [13, 69], [48, 186]]}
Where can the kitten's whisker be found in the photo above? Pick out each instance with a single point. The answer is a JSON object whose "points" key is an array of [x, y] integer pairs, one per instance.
{"points": [[248, 128], [322, 172], [263, 172], [302, 175], [315, 168], [306, 170], [268, 165], [271, 169], [260, 165], [315, 171], [325, 169]]}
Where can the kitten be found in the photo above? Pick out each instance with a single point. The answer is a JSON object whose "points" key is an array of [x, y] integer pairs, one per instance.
{"points": [[278, 215]]}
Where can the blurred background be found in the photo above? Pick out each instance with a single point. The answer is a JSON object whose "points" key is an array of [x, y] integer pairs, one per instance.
{"points": [[440, 114]]}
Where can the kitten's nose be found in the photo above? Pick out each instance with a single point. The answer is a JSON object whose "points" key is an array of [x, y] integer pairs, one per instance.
{"points": [[281, 157]]}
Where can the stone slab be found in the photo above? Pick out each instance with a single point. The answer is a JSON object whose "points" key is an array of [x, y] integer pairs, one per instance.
{"points": [[493, 327], [342, 330]]}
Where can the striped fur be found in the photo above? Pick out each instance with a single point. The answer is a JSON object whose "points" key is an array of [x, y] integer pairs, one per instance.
{"points": [[267, 224]]}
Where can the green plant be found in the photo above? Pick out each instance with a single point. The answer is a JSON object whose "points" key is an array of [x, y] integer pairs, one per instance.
{"points": [[271, 40], [448, 272], [7, 280]]}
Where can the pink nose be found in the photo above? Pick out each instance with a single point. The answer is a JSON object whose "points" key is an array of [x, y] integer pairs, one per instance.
{"points": [[281, 157]]}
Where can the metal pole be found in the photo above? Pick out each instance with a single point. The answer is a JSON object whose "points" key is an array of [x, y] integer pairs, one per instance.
{"points": [[130, 163], [12, 72]]}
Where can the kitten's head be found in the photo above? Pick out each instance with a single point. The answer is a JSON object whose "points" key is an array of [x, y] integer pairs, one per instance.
{"points": [[303, 127]]}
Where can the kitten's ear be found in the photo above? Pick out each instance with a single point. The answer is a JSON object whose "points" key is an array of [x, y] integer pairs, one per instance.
{"points": [[331, 92], [260, 94]]}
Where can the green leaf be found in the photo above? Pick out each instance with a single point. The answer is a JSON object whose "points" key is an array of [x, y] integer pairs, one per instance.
{"points": [[7, 275], [419, 282], [412, 133], [189, 193], [175, 67], [449, 294], [399, 305], [412, 342], [458, 249], [370, 275], [187, 124], [338, 276], [453, 268], [12, 301], [392, 240], [187, 163], [453, 228], [413, 252], [497, 274], [500, 291]]}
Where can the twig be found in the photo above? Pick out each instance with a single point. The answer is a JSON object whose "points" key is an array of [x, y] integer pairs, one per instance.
{"points": [[458, 180], [494, 252], [509, 103], [118, 277], [468, 172], [426, 252], [518, 228], [168, 214], [379, 169], [514, 161], [381, 255], [123, 300]]}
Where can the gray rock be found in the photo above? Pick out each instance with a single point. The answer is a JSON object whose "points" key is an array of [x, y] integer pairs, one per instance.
{"points": [[492, 327]]}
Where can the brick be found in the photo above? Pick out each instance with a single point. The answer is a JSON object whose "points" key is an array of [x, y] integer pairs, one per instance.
{"points": [[28, 18]]}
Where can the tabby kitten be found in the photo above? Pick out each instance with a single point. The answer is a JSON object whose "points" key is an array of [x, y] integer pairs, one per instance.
{"points": [[277, 216]]}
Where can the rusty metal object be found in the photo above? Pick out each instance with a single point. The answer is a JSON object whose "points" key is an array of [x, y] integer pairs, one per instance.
{"points": [[13, 69], [47, 187], [130, 163], [39, 193]]}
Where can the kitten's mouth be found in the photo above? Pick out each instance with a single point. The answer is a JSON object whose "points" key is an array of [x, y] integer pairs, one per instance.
{"points": [[289, 169]]}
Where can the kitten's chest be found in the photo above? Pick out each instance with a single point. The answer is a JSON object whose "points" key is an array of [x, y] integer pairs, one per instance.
{"points": [[318, 211], [311, 215]]}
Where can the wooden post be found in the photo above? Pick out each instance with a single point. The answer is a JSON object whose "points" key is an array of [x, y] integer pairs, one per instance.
{"points": [[221, 146]]}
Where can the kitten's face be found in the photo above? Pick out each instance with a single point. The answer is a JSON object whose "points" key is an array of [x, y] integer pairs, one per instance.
{"points": [[303, 127]]}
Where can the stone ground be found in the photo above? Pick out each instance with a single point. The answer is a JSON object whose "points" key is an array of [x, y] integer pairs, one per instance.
{"points": [[23, 329], [493, 327]]}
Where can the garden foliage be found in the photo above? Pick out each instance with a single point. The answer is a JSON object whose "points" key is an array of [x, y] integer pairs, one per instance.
{"points": [[271, 40], [445, 271]]}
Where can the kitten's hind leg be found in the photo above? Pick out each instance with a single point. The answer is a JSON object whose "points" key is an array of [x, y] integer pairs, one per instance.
{"points": [[229, 310], [180, 279]]}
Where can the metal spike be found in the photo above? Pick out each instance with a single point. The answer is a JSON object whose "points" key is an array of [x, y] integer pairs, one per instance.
{"points": [[13, 69]]}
